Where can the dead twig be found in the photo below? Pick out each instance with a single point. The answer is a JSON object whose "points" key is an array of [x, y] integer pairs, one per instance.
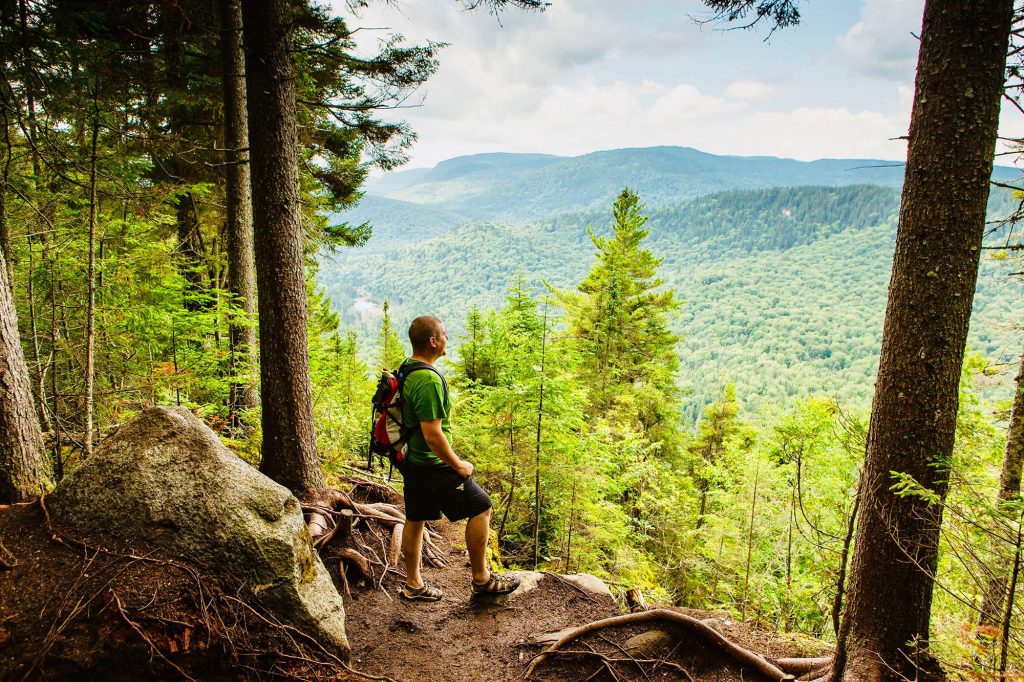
{"points": [[608, 660], [344, 578], [153, 647], [289, 630], [7, 558]]}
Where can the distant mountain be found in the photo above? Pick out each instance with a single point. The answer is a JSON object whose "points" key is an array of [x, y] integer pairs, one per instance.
{"points": [[524, 187]]}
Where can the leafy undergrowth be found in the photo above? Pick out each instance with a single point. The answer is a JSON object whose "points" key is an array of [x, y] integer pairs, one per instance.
{"points": [[71, 609]]}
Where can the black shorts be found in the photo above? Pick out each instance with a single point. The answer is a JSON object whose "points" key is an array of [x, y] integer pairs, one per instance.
{"points": [[431, 491]]}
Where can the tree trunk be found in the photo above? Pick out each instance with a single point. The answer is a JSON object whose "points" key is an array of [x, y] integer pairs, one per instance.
{"points": [[191, 253], [289, 445], [23, 467], [536, 469], [244, 392], [935, 266], [90, 305], [6, 243], [1009, 489], [844, 559]]}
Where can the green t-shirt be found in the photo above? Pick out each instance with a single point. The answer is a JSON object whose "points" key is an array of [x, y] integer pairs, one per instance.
{"points": [[423, 399]]}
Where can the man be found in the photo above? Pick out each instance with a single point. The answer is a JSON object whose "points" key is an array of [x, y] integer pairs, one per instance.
{"points": [[436, 479]]}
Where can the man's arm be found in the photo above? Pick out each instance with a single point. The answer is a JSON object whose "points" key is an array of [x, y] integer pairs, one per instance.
{"points": [[440, 446]]}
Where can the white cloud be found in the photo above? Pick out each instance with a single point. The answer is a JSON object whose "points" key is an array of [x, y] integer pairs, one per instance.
{"points": [[590, 117], [880, 44], [749, 90], [598, 74]]}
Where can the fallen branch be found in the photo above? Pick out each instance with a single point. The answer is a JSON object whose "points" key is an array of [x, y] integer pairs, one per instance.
{"points": [[739, 654]]}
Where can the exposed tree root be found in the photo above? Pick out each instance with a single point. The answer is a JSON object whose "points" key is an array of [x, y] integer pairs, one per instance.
{"points": [[806, 668], [343, 529], [742, 656]]}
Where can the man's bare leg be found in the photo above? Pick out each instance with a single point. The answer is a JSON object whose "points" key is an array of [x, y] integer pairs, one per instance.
{"points": [[412, 548], [478, 529]]}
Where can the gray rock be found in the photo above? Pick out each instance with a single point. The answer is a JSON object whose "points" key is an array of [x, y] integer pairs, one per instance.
{"points": [[531, 579], [646, 643], [165, 479], [714, 624], [590, 583]]}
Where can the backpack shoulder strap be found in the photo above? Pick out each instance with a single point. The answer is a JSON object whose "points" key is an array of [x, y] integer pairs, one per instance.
{"points": [[405, 370]]}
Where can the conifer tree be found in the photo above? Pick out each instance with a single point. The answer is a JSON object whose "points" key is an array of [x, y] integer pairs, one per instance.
{"points": [[392, 352], [619, 316]]}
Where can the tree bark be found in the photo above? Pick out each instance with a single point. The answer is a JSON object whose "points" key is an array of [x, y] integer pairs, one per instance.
{"points": [[289, 445], [913, 417], [24, 472], [244, 392], [1009, 489]]}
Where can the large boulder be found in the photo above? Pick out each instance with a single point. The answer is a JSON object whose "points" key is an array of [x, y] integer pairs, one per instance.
{"points": [[165, 480]]}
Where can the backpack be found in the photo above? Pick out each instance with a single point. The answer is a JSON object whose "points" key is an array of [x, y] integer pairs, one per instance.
{"points": [[389, 437]]}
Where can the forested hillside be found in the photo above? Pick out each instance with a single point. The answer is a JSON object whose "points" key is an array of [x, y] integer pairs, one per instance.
{"points": [[784, 288]]}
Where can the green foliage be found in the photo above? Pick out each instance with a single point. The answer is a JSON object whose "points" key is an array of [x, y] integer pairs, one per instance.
{"points": [[342, 386]]}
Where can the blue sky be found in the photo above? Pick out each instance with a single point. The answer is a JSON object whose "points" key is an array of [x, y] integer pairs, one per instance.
{"points": [[587, 75]]}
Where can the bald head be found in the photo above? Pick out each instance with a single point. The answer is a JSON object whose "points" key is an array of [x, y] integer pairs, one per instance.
{"points": [[422, 330]]}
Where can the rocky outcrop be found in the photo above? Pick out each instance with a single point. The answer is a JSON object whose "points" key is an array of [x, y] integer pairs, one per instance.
{"points": [[166, 481]]}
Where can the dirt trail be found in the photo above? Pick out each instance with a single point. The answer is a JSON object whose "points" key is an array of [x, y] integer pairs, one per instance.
{"points": [[460, 640], [69, 612]]}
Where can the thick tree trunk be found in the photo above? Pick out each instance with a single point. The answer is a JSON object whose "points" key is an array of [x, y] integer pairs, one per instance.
{"points": [[1009, 489], [913, 417], [289, 446], [23, 467], [241, 265]]}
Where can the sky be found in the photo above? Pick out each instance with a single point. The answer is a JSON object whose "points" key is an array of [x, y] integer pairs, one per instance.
{"points": [[588, 75]]}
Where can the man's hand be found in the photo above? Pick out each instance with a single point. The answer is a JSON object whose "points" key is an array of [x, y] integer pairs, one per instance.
{"points": [[465, 469]]}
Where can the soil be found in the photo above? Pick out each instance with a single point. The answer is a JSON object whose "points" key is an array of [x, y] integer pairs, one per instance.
{"points": [[70, 610]]}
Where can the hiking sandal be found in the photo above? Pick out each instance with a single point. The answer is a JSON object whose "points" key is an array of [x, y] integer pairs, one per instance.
{"points": [[425, 593], [498, 583]]}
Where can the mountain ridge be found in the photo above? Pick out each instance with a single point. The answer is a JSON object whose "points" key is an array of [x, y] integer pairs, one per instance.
{"points": [[518, 187]]}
